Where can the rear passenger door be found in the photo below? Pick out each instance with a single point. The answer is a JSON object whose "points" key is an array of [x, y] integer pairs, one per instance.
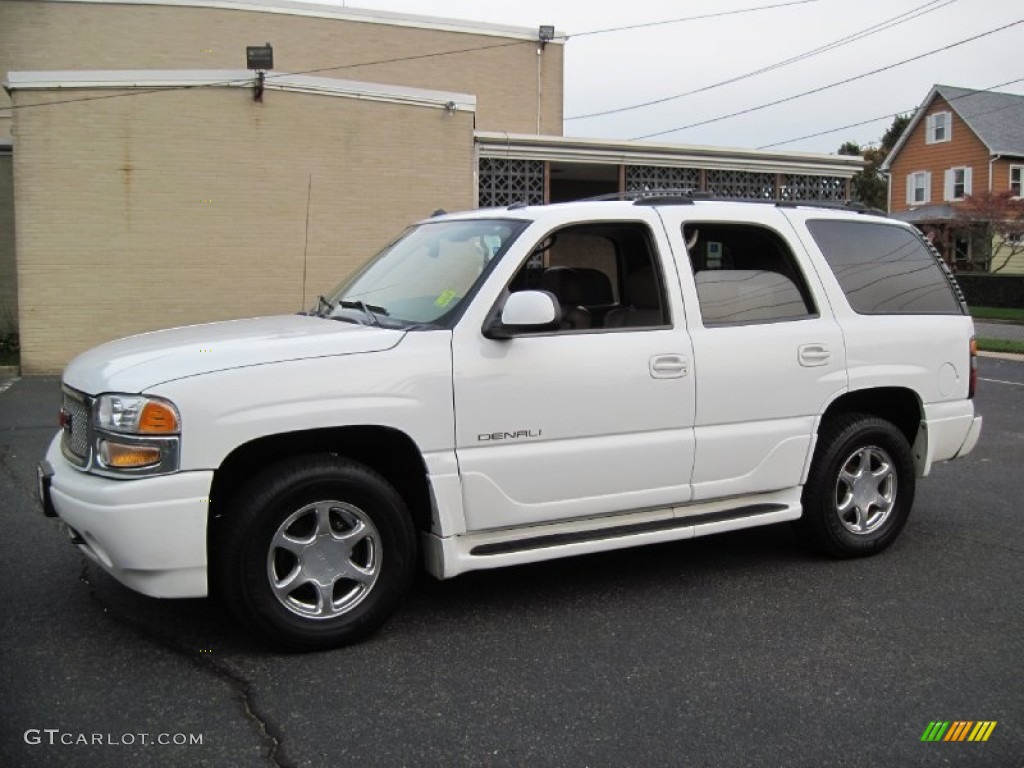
{"points": [[768, 353]]}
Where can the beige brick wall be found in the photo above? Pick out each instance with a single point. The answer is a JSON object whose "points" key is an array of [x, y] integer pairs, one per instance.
{"points": [[188, 206], [38, 35], [8, 270]]}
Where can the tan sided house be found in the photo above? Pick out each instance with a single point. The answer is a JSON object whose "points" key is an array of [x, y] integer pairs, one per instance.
{"points": [[960, 143]]}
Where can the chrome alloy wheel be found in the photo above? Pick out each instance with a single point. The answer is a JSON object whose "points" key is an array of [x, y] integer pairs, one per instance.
{"points": [[324, 559], [865, 490]]}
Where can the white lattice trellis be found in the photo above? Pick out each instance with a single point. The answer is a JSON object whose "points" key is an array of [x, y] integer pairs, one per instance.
{"points": [[742, 185], [507, 181], [653, 178], [805, 187]]}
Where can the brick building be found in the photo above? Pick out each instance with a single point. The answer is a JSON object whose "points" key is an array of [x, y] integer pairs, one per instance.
{"points": [[143, 184]]}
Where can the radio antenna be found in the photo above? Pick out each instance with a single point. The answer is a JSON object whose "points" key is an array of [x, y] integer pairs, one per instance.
{"points": [[305, 244]]}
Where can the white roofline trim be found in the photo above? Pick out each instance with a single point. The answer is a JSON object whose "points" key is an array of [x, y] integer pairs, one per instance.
{"points": [[567, 149], [316, 10], [235, 78]]}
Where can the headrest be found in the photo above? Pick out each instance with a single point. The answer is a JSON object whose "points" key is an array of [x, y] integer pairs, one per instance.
{"points": [[642, 289], [596, 286], [564, 283]]}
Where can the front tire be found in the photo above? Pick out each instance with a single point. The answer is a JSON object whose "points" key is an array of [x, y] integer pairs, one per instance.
{"points": [[860, 488], [316, 553]]}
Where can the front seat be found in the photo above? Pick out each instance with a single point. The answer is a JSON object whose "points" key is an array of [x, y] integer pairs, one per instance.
{"points": [[567, 287], [641, 305]]}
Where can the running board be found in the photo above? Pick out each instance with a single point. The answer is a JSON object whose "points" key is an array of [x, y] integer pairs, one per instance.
{"points": [[450, 556], [558, 539]]}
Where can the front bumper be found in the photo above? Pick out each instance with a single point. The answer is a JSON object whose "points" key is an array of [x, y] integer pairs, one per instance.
{"points": [[148, 533]]}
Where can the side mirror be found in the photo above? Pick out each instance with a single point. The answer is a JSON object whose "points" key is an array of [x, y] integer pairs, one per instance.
{"points": [[524, 311]]}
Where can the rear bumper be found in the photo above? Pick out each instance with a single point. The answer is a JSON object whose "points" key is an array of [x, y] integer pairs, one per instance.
{"points": [[148, 533], [972, 438], [952, 430]]}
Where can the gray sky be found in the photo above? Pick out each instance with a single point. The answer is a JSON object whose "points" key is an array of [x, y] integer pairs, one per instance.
{"points": [[617, 69]]}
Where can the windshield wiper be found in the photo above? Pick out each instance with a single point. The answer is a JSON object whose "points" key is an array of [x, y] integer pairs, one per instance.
{"points": [[368, 309]]}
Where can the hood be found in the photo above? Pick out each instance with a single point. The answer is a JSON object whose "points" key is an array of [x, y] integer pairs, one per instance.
{"points": [[135, 363]]}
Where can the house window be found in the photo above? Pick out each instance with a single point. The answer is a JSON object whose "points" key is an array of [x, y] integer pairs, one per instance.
{"points": [[1016, 179], [958, 183], [939, 128], [961, 248], [919, 187]]}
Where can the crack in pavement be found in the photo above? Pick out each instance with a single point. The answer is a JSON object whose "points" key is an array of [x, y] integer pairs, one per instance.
{"points": [[268, 732], [15, 480]]}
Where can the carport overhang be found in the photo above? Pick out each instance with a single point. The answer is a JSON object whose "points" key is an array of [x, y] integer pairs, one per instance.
{"points": [[563, 149]]}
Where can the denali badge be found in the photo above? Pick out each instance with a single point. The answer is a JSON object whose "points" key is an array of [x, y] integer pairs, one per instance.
{"points": [[518, 435]]}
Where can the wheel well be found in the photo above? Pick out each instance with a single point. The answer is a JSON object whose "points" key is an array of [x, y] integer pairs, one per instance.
{"points": [[387, 451], [901, 407]]}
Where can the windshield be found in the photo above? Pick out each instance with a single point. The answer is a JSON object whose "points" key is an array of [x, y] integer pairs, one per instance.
{"points": [[423, 276]]}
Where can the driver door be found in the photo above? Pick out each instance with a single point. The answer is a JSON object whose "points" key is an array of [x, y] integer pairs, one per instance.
{"points": [[595, 417]]}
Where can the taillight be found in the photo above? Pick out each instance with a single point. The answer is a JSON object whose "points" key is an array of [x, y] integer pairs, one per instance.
{"points": [[973, 382]]}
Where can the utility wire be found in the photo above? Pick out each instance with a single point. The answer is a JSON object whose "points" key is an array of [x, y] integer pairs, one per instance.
{"points": [[379, 62], [831, 85], [272, 75], [899, 112], [906, 16], [647, 24]]}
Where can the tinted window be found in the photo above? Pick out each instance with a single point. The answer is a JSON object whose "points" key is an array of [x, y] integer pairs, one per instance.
{"points": [[745, 274], [884, 269]]}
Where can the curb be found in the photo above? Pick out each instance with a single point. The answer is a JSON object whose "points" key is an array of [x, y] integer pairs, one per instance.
{"points": [[1003, 356]]}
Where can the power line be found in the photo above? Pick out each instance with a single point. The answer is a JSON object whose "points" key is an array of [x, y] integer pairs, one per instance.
{"points": [[899, 112], [271, 75], [832, 85], [920, 10], [687, 18], [395, 60]]}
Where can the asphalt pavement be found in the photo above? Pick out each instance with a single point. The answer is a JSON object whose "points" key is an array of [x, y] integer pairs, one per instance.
{"points": [[733, 650]]}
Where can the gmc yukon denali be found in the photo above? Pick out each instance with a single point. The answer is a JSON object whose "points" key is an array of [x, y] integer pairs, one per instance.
{"points": [[506, 386]]}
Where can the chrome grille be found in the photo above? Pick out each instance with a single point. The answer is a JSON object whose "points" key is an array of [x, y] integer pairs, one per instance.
{"points": [[76, 439]]}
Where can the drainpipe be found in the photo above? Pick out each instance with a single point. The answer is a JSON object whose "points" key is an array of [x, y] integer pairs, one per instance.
{"points": [[540, 57], [991, 162]]}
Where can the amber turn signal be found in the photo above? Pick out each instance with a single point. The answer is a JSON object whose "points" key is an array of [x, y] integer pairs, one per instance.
{"points": [[157, 419], [124, 456]]}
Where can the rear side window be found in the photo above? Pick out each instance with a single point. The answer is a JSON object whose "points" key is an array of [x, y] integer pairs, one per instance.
{"points": [[745, 274], [884, 269]]}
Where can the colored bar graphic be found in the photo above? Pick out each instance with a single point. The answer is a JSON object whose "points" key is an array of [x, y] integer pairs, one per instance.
{"points": [[958, 730]]}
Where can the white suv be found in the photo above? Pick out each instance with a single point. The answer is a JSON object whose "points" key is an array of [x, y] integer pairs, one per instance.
{"points": [[506, 386]]}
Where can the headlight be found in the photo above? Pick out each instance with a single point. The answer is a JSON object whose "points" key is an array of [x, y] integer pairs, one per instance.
{"points": [[136, 415], [135, 435]]}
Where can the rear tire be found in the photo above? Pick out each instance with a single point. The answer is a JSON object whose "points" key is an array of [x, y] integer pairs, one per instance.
{"points": [[316, 552], [860, 488]]}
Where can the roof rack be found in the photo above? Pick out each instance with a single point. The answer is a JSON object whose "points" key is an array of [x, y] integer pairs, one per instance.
{"points": [[691, 196], [842, 205]]}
